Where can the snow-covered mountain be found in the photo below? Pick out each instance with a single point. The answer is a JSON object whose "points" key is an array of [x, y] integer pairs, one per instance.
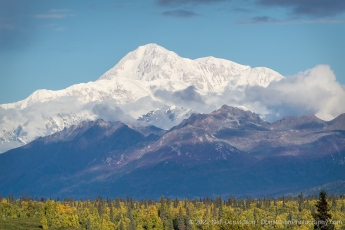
{"points": [[147, 79], [166, 117], [157, 67], [152, 67]]}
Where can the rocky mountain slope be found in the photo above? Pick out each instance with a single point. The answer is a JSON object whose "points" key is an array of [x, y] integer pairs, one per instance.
{"points": [[227, 152]]}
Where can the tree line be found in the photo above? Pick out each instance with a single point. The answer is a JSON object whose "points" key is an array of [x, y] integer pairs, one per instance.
{"points": [[285, 212]]}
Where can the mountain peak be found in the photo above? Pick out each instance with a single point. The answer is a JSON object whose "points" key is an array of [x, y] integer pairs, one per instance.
{"points": [[165, 69], [152, 46], [219, 62], [238, 114], [301, 122], [149, 50], [230, 111], [225, 117], [142, 63], [338, 122]]}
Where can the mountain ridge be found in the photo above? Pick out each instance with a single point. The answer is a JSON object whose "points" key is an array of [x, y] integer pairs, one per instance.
{"points": [[112, 158]]}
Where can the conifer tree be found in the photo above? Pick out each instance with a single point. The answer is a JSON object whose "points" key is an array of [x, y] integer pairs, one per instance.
{"points": [[88, 224], [322, 217], [189, 224], [342, 209], [121, 226], [300, 202], [164, 214], [131, 219], [181, 221]]}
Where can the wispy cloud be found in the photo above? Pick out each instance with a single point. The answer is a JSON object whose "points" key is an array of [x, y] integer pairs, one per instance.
{"points": [[51, 15], [240, 10], [53, 27], [259, 20], [187, 2], [122, 4], [187, 7], [180, 13], [299, 12], [116, 4], [68, 49], [7, 26], [314, 8], [60, 10], [50, 25], [324, 21], [55, 14], [58, 29], [264, 19]]}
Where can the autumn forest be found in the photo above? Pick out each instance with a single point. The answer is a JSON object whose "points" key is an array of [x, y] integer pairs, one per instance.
{"points": [[165, 213]]}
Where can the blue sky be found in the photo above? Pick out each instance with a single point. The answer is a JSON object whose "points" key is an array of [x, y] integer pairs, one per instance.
{"points": [[48, 44]]}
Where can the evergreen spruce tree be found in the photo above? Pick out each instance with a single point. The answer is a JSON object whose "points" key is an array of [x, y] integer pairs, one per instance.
{"points": [[165, 215], [342, 209], [162, 210], [131, 219], [334, 203], [322, 217], [88, 224], [300, 202], [112, 215], [181, 221], [189, 224], [121, 226], [289, 216]]}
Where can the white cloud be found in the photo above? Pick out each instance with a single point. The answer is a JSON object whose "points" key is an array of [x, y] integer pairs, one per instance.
{"points": [[55, 14], [51, 15], [60, 10], [314, 91]]}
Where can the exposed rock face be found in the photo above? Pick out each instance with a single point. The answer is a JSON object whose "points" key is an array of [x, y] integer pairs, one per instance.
{"points": [[229, 151]]}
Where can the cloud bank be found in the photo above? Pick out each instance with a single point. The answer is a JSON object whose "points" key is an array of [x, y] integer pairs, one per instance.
{"points": [[314, 91]]}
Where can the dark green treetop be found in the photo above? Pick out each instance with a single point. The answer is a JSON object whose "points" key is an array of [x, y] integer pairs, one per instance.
{"points": [[322, 216]]}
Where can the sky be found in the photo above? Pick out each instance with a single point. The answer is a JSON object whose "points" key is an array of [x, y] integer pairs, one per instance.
{"points": [[47, 44]]}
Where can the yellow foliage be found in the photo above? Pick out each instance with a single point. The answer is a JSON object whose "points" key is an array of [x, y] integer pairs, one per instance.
{"points": [[44, 223], [211, 215], [64, 217]]}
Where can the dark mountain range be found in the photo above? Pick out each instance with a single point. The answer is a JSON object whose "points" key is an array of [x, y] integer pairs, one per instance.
{"points": [[337, 187], [227, 152]]}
